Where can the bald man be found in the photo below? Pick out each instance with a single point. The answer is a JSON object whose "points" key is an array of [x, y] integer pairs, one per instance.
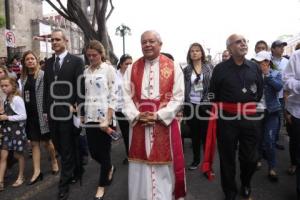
{"points": [[236, 85]]}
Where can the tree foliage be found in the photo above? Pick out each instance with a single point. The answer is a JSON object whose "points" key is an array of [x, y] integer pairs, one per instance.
{"points": [[2, 22], [93, 27]]}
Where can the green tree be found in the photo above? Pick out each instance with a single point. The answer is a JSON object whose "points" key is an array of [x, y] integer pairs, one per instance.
{"points": [[2, 22], [93, 24]]}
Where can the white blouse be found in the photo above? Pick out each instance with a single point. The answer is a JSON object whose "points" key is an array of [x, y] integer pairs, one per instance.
{"points": [[119, 91], [291, 79], [100, 92]]}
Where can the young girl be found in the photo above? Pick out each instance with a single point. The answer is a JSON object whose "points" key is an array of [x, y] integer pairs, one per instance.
{"points": [[13, 128]]}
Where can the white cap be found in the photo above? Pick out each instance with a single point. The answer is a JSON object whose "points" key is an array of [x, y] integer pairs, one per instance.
{"points": [[262, 55]]}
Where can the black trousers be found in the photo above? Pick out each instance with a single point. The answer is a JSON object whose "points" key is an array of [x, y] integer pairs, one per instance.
{"points": [[66, 143], [124, 126], [294, 128], [198, 127], [230, 133], [292, 143], [99, 144]]}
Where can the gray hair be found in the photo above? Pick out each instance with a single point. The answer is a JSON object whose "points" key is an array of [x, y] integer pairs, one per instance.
{"points": [[228, 43], [157, 35], [62, 31]]}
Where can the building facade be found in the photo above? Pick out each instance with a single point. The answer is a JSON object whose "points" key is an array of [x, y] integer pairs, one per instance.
{"points": [[292, 42], [28, 24]]}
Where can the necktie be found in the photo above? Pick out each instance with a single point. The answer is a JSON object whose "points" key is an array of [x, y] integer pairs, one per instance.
{"points": [[56, 66]]}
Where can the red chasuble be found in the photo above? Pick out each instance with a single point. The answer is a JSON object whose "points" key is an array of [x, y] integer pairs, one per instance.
{"points": [[161, 150], [164, 137]]}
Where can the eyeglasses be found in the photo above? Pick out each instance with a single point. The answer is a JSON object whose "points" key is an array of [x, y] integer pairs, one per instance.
{"points": [[240, 41]]}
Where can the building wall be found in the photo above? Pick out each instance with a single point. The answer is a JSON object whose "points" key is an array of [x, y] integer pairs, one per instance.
{"points": [[2, 44], [25, 19], [292, 42], [21, 14], [73, 33]]}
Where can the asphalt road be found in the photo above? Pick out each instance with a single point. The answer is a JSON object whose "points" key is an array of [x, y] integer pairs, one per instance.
{"points": [[197, 185]]}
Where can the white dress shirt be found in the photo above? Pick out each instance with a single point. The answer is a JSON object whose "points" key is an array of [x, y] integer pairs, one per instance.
{"points": [[99, 92], [291, 80], [61, 57]]}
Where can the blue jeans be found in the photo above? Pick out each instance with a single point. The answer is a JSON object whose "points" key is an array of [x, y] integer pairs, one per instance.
{"points": [[281, 117], [271, 123]]}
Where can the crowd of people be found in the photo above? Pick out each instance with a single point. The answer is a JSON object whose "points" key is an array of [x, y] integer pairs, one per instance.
{"points": [[238, 106]]}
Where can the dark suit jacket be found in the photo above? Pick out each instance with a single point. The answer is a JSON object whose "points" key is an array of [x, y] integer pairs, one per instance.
{"points": [[66, 89]]}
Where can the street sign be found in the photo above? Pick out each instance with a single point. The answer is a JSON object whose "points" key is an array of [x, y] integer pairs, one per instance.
{"points": [[10, 39]]}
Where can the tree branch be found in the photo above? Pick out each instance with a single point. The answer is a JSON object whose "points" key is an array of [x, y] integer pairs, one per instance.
{"points": [[111, 9], [65, 15], [62, 6]]}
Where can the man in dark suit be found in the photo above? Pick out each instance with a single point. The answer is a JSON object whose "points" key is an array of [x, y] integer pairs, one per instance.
{"points": [[63, 73]]}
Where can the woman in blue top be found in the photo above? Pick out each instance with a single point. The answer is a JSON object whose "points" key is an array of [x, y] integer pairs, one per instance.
{"points": [[271, 106]]}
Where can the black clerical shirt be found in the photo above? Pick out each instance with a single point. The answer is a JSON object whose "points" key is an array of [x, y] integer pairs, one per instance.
{"points": [[234, 83]]}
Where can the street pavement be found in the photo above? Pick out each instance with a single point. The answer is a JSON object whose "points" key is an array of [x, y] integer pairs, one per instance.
{"points": [[198, 187]]}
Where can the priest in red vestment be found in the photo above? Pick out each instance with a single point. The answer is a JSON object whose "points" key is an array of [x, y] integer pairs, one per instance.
{"points": [[153, 94]]}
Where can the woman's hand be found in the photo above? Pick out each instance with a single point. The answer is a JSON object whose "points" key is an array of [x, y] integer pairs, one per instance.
{"points": [[3, 117], [104, 125]]}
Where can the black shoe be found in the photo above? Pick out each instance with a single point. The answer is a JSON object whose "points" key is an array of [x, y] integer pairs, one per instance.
{"points": [[55, 173], [279, 146], [85, 160], [99, 198], [194, 165], [245, 191], [291, 170], [258, 165], [74, 180], [38, 178], [125, 161], [273, 177], [77, 177], [210, 175], [63, 195], [230, 196]]}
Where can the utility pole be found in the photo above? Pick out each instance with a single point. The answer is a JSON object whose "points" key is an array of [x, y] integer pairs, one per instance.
{"points": [[7, 20]]}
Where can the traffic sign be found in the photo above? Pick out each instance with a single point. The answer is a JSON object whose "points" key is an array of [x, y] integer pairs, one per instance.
{"points": [[10, 39]]}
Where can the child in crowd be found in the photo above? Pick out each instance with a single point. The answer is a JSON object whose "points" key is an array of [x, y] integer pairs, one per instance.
{"points": [[13, 127]]}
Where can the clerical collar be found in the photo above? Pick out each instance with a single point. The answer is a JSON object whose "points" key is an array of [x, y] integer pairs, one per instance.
{"points": [[152, 62]]}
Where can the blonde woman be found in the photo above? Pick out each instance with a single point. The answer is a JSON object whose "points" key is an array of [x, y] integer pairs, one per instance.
{"points": [[100, 99], [37, 129]]}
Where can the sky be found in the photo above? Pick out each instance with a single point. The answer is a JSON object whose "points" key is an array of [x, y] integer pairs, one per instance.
{"points": [[208, 22]]}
